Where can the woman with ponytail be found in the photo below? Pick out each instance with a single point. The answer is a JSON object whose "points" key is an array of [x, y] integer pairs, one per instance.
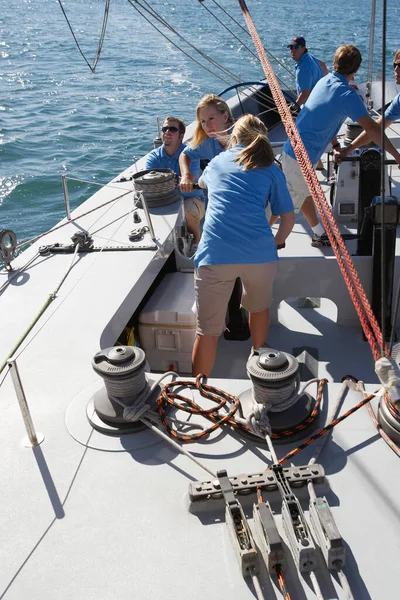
{"points": [[237, 240]]}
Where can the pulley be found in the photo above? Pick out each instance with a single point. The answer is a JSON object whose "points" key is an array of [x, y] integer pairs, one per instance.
{"points": [[8, 245], [274, 401], [158, 186], [127, 388]]}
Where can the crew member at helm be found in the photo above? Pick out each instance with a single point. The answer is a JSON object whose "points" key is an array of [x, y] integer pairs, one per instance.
{"points": [[392, 114], [237, 240], [167, 157], [330, 102]]}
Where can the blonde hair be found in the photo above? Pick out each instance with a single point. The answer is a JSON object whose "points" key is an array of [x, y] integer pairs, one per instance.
{"points": [[251, 133], [221, 106], [397, 56], [347, 59]]}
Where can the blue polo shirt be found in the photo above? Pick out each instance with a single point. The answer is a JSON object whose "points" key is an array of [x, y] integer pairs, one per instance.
{"points": [[208, 148], [308, 72], [236, 230], [393, 112], [159, 159], [331, 101]]}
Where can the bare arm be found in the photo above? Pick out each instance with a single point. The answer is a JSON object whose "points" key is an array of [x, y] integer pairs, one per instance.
{"points": [[187, 178], [362, 139], [286, 224], [302, 98], [372, 131], [324, 68], [202, 183]]}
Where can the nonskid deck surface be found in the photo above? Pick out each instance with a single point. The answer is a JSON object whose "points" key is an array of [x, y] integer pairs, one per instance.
{"points": [[87, 516]]}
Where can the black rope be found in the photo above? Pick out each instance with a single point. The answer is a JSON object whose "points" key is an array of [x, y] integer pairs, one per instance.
{"points": [[101, 39]]}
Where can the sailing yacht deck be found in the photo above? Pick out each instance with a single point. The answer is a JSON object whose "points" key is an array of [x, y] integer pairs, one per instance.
{"points": [[94, 517]]}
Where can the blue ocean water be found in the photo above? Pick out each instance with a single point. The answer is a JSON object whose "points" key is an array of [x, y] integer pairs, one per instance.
{"points": [[56, 117]]}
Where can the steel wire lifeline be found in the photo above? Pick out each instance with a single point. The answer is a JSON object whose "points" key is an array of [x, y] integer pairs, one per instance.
{"points": [[363, 308]]}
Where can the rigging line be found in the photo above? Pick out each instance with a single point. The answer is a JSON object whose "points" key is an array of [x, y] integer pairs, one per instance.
{"points": [[95, 258], [52, 296], [161, 20], [101, 39], [371, 45], [71, 221], [282, 64], [227, 28], [176, 45], [183, 51], [283, 83], [357, 293], [383, 171]]}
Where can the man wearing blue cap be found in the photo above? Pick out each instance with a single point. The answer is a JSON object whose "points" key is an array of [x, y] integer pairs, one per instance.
{"points": [[309, 69]]}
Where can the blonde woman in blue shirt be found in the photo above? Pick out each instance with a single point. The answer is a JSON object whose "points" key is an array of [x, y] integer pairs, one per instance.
{"points": [[211, 136], [237, 240]]}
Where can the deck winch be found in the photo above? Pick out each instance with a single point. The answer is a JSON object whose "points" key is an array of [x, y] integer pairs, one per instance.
{"points": [[275, 402], [159, 187], [124, 398]]}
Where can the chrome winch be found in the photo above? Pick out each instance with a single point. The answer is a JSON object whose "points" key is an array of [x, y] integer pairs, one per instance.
{"points": [[127, 393], [159, 187], [275, 402]]}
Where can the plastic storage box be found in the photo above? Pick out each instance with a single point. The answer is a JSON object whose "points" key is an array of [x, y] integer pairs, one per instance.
{"points": [[167, 324]]}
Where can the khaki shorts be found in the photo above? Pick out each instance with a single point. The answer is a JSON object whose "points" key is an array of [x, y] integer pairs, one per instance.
{"points": [[213, 285], [195, 206], [298, 189]]}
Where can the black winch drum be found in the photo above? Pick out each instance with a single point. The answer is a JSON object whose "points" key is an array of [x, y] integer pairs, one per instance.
{"points": [[159, 187]]}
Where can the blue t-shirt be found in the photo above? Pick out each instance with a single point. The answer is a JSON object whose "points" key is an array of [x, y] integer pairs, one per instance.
{"points": [[159, 159], [208, 148], [236, 230], [308, 72], [393, 111], [329, 104]]}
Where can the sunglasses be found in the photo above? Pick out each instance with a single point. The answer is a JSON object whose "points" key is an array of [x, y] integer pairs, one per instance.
{"points": [[170, 128], [395, 65], [295, 47]]}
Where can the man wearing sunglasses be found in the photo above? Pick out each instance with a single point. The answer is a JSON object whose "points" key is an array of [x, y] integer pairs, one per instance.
{"points": [[308, 69], [167, 157], [392, 114]]}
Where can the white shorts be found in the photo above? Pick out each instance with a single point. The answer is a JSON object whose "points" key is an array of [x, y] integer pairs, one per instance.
{"points": [[298, 189]]}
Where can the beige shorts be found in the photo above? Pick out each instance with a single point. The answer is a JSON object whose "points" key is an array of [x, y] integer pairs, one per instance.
{"points": [[213, 285], [298, 189], [195, 206]]}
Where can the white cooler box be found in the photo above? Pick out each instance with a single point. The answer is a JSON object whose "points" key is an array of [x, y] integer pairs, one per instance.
{"points": [[167, 324]]}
